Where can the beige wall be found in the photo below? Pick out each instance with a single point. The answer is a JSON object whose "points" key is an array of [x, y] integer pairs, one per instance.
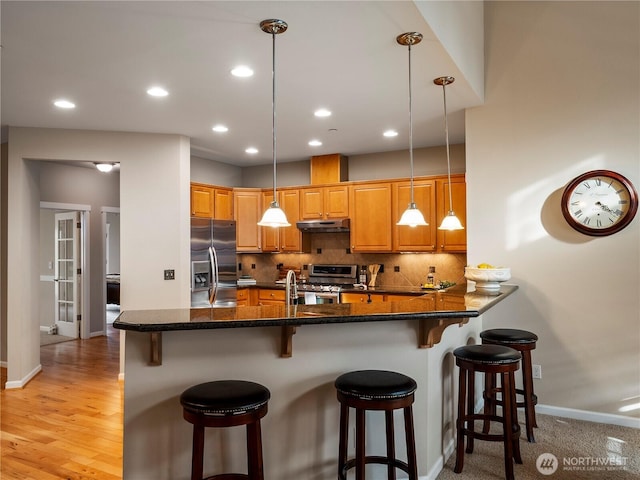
{"points": [[154, 222], [562, 98]]}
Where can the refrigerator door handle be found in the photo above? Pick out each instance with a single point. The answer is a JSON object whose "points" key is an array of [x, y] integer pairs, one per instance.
{"points": [[213, 257]]}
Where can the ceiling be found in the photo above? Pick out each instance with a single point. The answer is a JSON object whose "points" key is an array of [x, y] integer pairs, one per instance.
{"points": [[342, 56]]}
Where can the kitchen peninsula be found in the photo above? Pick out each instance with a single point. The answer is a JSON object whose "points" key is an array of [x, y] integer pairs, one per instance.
{"points": [[166, 351]]}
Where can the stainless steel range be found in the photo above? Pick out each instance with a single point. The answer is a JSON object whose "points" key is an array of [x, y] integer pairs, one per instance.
{"points": [[325, 282]]}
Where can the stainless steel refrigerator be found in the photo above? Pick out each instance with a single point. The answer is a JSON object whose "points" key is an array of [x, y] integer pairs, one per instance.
{"points": [[213, 263]]}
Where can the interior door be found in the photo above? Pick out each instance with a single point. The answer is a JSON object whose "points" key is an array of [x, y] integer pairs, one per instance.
{"points": [[67, 273]]}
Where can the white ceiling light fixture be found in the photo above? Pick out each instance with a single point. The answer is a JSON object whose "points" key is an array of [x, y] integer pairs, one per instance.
{"points": [[274, 216], [450, 221], [242, 71], [322, 112], [104, 167], [62, 103], [220, 128], [157, 92], [411, 216], [251, 150], [315, 143], [390, 133]]}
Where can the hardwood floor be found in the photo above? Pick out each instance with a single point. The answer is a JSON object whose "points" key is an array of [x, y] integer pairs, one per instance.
{"points": [[67, 422]]}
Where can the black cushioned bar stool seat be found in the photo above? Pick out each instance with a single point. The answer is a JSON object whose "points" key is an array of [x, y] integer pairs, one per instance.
{"points": [[376, 390], [226, 403], [489, 359], [524, 342]]}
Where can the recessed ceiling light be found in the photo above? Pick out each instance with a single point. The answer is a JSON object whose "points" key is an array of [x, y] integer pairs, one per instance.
{"points": [[157, 92], [390, 133], [242, 71], [220, 128], [61, 103], [322, 112], [251, 150], [315, 143]]}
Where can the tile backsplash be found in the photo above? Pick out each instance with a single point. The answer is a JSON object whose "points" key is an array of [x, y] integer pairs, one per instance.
{"points": [[406, 269]]}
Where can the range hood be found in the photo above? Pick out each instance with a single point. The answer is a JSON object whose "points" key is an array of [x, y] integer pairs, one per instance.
{"points": [[324, 226]]}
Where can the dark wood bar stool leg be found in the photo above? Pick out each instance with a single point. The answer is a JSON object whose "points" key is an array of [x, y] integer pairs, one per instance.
{"points": [[376, 390], [494, 361], [524, 342], [221, 404]]}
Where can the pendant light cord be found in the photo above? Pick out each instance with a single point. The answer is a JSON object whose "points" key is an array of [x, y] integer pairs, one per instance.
{"points": [[446, 139], [273, 109], [410, 129]]}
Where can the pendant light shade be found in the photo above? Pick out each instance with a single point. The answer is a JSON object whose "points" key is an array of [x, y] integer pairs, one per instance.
{"points": [[274, 216], [450, 221], [411, 216]]}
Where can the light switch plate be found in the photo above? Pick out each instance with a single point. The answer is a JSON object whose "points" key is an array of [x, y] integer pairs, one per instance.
{"points": [[169, 274]]}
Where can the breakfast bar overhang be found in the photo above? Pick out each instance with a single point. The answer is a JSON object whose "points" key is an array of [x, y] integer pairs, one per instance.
{"points": [[167, 351]]}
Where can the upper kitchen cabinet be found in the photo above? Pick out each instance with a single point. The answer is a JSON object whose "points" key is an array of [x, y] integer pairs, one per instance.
{"points": [[283, 239], [370, 206], [211, 202], [332, 168], [452, 241], [247, 213], [324, 202], [419, 238]]}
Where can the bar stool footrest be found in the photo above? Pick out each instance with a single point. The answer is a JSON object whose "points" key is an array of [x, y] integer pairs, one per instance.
{"points": [[228, 476], [378, 460], [491, 437]]}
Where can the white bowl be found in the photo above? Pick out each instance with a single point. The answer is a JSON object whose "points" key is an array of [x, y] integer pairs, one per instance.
{"points": [[487, 279]]}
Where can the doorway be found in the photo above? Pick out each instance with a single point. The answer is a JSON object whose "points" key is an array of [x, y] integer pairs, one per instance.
{"points": [[64, 273], [111, 227]]}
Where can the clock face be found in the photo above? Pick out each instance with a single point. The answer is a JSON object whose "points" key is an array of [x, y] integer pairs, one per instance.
{"points": [[599, 203]]}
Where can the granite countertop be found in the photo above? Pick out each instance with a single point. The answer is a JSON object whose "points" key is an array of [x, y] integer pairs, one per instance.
{"points": [[454, 302], [396, 290]]}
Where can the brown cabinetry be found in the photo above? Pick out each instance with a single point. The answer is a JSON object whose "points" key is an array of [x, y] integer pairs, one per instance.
{"points": [[324, 202], [364, 297], [452, 241], [283, 239], [370, 207], [270, 297], [211, 202], [242, 297], [247, 213], [332, 168], [418, 238]]}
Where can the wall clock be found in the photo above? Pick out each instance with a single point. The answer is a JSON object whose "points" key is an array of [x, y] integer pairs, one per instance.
{"points": [[599, 203]]}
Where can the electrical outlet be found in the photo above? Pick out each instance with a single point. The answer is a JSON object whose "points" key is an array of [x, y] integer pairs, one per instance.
{"points": [[169, 274], [396, 268], [536, 371]]}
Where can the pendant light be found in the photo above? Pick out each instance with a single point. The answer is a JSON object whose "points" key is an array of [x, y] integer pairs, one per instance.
{"points": [[274, 216], [450, 221], [411, 216]]}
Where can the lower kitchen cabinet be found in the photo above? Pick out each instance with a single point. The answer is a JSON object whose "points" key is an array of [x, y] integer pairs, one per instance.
{"points": [[242, 297], [268, 296], [364, 297]]}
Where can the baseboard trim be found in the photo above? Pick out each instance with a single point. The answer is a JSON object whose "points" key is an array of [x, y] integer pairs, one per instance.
{"points": [[588, 416], [97, 334], [21, 383]]}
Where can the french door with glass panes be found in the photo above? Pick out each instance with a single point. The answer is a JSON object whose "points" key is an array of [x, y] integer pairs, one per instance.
{"points": [[67, 273]]}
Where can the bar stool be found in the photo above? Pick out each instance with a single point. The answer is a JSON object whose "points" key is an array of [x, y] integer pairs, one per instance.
{"points": [[524, 342], [383, 391], [489, 359], [226, 403]]}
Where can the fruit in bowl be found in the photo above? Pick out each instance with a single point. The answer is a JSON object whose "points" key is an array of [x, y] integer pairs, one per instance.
{"points": [[487, 277]]}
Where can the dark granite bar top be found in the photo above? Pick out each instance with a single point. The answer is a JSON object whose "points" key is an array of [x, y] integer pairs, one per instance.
{"points": [[453, 303], [395, 289]]}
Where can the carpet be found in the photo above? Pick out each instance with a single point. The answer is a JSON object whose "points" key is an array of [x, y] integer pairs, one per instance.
{"points": [[565, 449], [46, 339]]}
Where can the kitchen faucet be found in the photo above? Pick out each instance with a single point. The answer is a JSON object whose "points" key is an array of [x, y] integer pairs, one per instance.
{"points": [[291, 290]]}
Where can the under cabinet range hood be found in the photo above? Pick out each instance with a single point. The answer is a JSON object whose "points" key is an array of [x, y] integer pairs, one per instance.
{"points": [[324, 226]]}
